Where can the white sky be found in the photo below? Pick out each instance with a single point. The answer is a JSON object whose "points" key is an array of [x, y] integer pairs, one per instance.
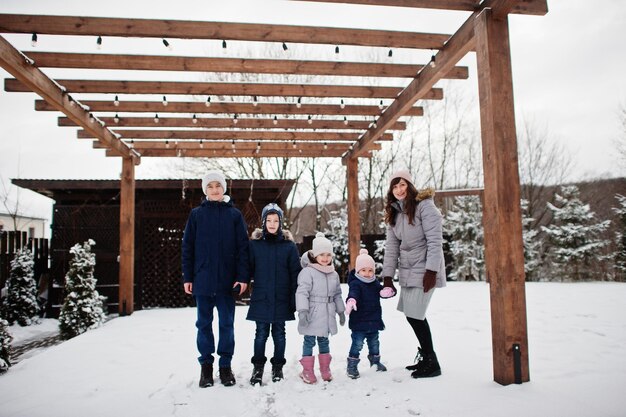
{"points": [[568, 70]]}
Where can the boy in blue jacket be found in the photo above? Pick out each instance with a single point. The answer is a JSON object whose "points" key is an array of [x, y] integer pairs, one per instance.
{"points": [[366, 314], [215, 268]]}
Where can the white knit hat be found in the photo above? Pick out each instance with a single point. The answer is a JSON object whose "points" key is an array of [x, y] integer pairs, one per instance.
{"points": [[211, 176], [364, 261], [402, 173], [321, 245]]}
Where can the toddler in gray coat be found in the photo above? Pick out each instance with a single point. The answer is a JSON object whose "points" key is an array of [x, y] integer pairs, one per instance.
{"points": [[318, 300]]}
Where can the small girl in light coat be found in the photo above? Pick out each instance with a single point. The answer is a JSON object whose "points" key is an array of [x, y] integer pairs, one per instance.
{"points": [[318, 300]]}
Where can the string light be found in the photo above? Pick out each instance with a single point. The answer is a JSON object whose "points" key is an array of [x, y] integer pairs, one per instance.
{"points": [[390, 53], [167, 143], [325, 145], [116, 101], [255, 101], [167, 44], [258, 147], [294, 145], [232, 145], [380, 105], [194, 119], [208, 101], [156, 118], [201, 142], [374, 124], [275, 120], [285, 46], [33, 39], [299, 103], [337, 49], [310, 121], [164, 101], [345, 120], [91, 119], [116, 118], [235, 118], [224, 44], [99, 42], [432, 62], [342, 105]]}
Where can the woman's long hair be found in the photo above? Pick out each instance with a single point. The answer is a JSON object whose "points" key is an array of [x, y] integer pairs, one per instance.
{"points": [[410, 202]]}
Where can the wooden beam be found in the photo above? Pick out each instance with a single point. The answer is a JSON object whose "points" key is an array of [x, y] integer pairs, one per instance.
{"points": [[232, 135], [141, 146], [213, 153], [242, 123], [231, 65], [33, 80], [504, 253], [354, 220], [532, 7], [231, 107], [225, 89], [127, 238], [154, 28], [457, 46]]}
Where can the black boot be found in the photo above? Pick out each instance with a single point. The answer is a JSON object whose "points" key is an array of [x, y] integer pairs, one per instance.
{"points": [[206, 375], [418, 357], [226, 376], [277, 373], [257, 374], [427, 367]]}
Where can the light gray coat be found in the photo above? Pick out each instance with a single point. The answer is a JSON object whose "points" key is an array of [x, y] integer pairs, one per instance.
{"points": [[413, 249], [320, 294]]}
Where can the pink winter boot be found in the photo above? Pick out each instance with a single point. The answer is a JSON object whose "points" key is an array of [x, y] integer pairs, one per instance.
{"points": [[308, 374], [325, 366]]}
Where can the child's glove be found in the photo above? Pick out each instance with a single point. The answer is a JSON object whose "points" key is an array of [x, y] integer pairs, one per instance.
{"points": [[430, 279], [389, 290], [350, 305], [342, 319], [303, 318]]}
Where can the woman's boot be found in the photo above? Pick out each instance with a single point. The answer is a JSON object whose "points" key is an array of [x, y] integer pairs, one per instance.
{"points": [[427, 367]]}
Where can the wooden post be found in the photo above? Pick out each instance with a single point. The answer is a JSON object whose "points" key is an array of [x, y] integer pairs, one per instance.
{"points": [[504, 254], [354, 221], [127, 237]]}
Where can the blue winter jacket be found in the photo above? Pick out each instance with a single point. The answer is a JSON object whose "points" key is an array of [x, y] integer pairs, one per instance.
{"points": [[215, 248], [368, 315], [274, 267]]}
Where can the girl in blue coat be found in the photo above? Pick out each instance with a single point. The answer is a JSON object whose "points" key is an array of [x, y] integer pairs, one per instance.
{"points": [[363, 306], [274, 267], [215, 263]]}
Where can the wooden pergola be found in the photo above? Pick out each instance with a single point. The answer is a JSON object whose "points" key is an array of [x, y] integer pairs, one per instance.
{"points": [[311, 121]]}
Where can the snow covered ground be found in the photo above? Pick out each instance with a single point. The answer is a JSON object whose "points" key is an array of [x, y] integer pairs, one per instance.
{"points": [[145, 365]]}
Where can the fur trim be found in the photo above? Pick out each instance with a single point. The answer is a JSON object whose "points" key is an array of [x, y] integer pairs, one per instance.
{"points": [[258, 235], [425, 193]]}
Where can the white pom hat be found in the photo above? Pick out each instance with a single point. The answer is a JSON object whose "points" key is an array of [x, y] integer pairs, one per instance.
{"points": [[364, 261], [211, 176], [321, 245]]}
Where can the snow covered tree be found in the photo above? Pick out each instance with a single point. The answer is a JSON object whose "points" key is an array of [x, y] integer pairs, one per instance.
{"points": [[620, 239], [5, 346], [574, 236], [338, 229], [464, 225], [531, 244], [83, 307], [21, 304]]}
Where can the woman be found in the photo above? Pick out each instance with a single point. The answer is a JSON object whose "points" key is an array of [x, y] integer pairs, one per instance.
{"points": [[414, 247]]}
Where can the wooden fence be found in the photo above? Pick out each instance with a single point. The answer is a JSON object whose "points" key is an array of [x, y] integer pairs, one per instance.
{"points": [[11, 243]]}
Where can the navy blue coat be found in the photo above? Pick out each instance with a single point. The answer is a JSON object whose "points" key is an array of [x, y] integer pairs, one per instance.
{"points": [[215, 248], [369, 314], [274, 267]]}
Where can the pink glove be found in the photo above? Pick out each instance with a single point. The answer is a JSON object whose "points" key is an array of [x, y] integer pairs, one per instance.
{"points": [[387, 292], [350, 305]]}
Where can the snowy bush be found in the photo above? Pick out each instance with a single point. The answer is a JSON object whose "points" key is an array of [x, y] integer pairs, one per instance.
{"points": [[574, 236], [620, 239], [338, 231], [83, 307], [464, 225], [5, 346], [532, 244], [21, 303]]}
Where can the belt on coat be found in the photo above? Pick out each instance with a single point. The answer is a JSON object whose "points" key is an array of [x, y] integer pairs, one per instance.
{"points": [[322, 299]]}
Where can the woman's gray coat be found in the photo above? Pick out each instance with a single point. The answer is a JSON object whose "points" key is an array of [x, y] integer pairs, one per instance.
{"points": [[320, 294], [413, 249]]}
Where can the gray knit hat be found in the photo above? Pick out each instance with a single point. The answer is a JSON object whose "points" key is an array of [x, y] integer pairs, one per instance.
{"points": [[321, 245], [213, 176]]}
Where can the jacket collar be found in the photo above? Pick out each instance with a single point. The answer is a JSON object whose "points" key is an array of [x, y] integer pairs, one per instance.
{"points": [[225, 201]]}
